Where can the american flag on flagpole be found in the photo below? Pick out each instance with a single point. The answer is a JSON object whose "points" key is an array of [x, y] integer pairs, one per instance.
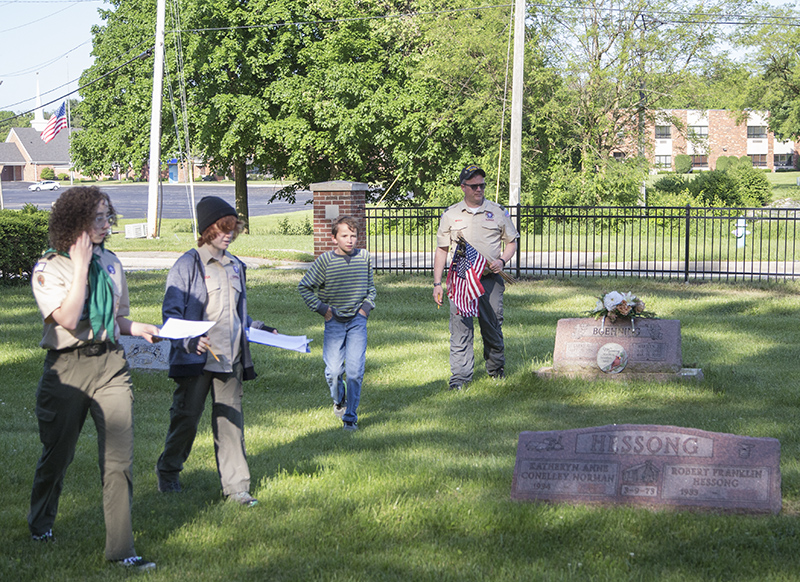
{"points": [[56, 123], [464, 279]]}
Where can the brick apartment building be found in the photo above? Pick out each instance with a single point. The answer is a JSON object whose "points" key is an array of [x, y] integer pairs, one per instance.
{"points": [[706, 135]]}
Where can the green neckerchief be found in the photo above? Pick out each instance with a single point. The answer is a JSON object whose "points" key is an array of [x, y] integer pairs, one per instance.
{"points": [[101, 296]]}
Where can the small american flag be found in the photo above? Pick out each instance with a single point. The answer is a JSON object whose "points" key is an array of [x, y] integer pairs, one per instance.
{"points": [[56, 123], [464, 279]]}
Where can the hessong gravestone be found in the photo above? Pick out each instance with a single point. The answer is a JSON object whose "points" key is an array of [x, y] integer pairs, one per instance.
{"points": [[649, 465]]}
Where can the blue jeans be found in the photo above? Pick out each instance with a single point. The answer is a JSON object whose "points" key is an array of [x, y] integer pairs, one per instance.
{"points": [[344, 350]]}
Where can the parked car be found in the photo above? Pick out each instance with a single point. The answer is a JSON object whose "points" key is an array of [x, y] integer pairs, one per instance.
{"points": [[44, 185]]}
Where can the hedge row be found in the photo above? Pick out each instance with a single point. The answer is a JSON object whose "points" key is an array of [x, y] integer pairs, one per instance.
{"points": [[23, 239]]}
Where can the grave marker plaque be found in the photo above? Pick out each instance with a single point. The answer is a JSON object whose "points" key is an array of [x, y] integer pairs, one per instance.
{"points": [[650, 465]]}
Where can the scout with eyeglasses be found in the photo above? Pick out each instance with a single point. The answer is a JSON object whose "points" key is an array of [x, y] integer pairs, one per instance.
{"points": [[487, 227], [81, 291]]}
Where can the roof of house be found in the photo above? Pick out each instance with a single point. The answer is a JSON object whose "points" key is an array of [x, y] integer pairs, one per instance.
{"points": [[10, 155], [55, 152]]}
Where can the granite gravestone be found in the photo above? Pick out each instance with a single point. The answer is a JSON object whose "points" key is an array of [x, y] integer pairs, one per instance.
{"points": [[643, 348], [650, 465]]}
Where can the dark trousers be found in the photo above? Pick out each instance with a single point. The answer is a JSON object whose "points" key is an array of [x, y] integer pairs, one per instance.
{"points": [[71, 386], [462, 333], [227, 423]]}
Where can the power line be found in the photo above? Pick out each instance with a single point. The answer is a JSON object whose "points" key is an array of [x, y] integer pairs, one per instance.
{"points": [[38, 19], [142, 55], [45, 64]]}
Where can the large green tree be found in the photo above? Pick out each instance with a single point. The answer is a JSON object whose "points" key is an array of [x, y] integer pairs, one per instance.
{"points": [[773, 41], [620, 61]]}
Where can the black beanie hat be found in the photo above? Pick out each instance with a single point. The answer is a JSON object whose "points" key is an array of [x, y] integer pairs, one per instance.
{"points": [[210, 209]]}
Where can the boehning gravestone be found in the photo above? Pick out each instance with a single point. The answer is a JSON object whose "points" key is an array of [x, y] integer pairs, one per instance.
{"points": [[592, 348], [650, 465]]}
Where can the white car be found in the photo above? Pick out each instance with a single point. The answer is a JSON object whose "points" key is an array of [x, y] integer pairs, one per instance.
{"points": [[44, 185]]}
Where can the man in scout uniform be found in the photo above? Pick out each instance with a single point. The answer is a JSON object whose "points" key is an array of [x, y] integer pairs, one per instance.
{"points": [[486, 226]]}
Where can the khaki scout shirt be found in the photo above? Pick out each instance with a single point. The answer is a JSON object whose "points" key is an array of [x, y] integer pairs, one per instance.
{"points": [[52, 280], [224, 285], [483, 227]]}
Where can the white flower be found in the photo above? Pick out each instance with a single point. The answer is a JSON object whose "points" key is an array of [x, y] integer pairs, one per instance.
{"points": [[598, 306], [611, 300], [629, 297]]}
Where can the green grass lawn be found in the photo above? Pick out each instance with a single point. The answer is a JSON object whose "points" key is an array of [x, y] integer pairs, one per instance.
{"points": [[421, 492]]}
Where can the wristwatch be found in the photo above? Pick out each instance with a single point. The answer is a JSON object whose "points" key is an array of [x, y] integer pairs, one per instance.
{"points": [[437, 284]]}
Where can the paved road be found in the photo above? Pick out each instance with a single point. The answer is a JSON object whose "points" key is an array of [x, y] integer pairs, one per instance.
{"points": [[130, 200]]}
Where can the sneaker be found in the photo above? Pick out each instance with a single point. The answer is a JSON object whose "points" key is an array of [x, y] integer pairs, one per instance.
{"points": [[45, 537], [350, 425], [339, 410], [456, 386], [243, 498], [167, 486], [499, 374], [136, 563]]}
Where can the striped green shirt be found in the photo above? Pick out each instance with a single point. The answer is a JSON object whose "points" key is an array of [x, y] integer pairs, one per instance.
{"points": [[343, 283]]}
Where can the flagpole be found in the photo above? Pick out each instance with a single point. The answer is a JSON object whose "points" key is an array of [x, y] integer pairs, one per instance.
{"points": [[154, 170], [69, 128]]}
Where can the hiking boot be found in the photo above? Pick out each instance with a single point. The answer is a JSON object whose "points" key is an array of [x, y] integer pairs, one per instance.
{"points": [[167, 486], [499, 374], [136, 563], [243, 498], [45, 537]]}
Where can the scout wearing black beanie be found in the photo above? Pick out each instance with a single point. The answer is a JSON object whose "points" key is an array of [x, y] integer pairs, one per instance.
{"points": [[210, 209]]}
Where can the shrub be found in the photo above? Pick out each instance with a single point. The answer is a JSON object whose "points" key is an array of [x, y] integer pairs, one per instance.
{"points": [[754, 188], [305, 228], [715, 187], [683, 164], [672, 183], [63, 176], [47, 174], [24, 236], [746, 161], [723, 163]]}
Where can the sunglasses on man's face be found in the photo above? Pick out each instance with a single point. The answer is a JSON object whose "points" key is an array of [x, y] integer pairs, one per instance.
{"points": [[481, 186]]}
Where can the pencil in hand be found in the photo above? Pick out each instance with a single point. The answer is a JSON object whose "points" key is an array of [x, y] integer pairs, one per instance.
{"points": [[212, 352]]}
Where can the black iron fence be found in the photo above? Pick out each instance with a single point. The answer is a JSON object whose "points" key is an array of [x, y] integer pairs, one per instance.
{"points": [[573, 241]]}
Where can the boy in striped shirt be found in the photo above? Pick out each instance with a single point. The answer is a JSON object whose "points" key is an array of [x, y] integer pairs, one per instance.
{"points": [[339, 286]]}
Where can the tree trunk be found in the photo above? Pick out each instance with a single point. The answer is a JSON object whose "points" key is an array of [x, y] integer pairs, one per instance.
{"points": [[240, 182]]}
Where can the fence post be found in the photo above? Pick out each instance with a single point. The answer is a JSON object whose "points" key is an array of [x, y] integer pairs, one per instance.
{"points": [[519, 240], [686, 250], [335, 199]]}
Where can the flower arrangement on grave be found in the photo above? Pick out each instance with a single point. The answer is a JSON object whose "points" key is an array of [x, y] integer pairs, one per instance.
{"points": [[615, 304]]}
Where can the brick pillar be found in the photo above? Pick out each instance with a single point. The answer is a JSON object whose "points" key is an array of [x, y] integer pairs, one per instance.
{"points": [[335, 199]]}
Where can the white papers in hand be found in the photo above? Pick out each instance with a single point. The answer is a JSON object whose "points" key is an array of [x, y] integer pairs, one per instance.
{"points": [[182, 328], [297, 343]]}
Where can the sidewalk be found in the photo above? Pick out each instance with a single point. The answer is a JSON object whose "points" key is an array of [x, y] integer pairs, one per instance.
{"points": [[152, 261]]}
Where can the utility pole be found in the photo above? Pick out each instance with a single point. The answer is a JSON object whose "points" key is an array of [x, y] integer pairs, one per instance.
{"points": [[153, 195], [515, 161]]}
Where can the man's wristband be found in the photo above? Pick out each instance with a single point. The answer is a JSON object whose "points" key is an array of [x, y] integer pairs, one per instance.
{"points": [[437, 284], [504, 261]]}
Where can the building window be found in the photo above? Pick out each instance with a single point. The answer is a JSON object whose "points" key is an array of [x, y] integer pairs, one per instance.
{"points": [[756, 132], [759, 160], [698, 131], [664, 162], [784, 160], [699, 161], [663, 132]]}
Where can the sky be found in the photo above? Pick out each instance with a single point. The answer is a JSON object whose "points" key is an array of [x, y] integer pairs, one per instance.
{"points": [[50, 37]]}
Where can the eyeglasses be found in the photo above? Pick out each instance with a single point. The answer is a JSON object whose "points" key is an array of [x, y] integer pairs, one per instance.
{"points": [[481, 186], [101, 219]]}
